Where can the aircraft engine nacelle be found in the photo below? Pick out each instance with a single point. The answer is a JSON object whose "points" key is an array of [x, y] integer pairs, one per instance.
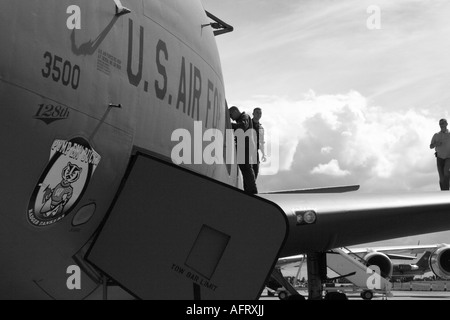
{"points": [[440, 262], [382, 261]]}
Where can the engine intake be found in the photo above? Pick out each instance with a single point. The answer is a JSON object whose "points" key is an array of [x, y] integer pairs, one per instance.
{"points": [[382, 261], [440, 262]]}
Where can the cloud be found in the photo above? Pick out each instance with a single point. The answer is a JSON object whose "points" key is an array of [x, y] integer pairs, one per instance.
{"points": [[376, 97], [343, 139], [326, 150], [327, 46], [331, 168], [291, 120]]}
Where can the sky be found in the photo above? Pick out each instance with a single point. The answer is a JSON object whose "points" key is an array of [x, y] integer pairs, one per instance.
{"points": [[352, 90]]}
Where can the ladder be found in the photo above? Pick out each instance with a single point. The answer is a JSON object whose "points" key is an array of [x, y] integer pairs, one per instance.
{"points": [[362, 276]]}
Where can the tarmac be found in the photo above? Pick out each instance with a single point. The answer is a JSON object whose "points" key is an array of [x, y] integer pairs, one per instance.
{"points": [[409, 295], [416, 290]]}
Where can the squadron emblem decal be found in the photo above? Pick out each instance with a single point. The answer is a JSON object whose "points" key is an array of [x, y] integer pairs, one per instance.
{"points": [[63, 182]]}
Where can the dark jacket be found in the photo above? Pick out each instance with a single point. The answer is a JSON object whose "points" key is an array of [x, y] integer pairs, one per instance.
{"points": [[245, 123]]}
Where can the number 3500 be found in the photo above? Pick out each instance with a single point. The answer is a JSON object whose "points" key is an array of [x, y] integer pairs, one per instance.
{"points": [[61, 70]]}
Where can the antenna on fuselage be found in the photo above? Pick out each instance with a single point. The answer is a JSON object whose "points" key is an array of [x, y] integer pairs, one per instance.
{"points": [[220, 26]]}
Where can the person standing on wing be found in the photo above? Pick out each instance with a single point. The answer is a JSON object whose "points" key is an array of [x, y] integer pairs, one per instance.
{"points": [[441, 143], [259, 130], [245, 161]]}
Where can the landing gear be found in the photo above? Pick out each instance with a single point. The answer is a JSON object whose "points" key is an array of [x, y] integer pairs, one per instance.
{"points": [[317, 270], [289, 293], [283, 295], [336, 296], [367, 295]]}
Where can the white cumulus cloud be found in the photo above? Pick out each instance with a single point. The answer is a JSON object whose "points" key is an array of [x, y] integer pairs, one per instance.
{"points": [[331, 168], [326, 150]]}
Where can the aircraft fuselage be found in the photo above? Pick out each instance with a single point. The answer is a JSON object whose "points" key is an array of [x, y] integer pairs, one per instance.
{"points": [[83, 89]]}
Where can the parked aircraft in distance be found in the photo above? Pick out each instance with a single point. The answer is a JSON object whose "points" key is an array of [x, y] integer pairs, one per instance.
{"points": [[395, 263]]}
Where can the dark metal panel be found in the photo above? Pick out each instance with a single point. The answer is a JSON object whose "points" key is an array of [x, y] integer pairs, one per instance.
{"points": [[174, 234]]}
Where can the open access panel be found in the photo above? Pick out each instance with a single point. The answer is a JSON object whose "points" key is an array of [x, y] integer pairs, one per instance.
{"points": [[176, 234]]}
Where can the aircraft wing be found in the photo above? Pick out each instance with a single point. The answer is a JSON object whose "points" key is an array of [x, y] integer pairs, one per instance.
{"points": [[392, 252], [396, 251], [338, 189], [349, 219], [288, 260]]}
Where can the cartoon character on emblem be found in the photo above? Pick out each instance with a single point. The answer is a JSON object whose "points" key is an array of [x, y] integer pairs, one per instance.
{"points": [[55, 199]]}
